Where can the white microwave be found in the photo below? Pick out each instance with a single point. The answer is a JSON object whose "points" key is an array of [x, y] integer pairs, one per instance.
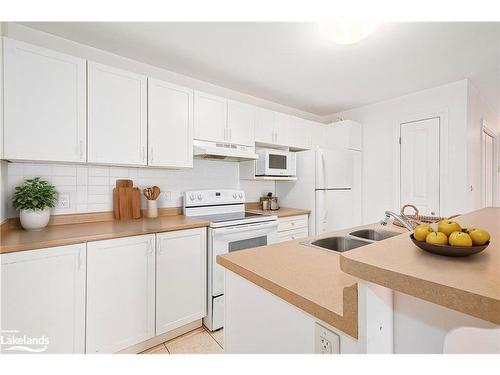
{"points": [[275, 163]]}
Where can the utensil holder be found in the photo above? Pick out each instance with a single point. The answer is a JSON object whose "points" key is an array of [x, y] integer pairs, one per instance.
{"points": [[152, 208]]}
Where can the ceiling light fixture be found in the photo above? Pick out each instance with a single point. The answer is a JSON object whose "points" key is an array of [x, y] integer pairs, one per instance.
{"points": [[347, 32]]}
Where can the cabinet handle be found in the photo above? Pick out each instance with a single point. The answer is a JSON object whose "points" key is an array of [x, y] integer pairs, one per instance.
{"points": [[230, 134], [151, 156], [225, 137]]}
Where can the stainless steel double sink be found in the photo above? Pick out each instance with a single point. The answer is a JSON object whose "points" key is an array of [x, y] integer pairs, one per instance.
{"points": [[354, 240]]}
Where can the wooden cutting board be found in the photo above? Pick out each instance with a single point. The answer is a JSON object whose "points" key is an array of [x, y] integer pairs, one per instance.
{"points": [[126, 200]]}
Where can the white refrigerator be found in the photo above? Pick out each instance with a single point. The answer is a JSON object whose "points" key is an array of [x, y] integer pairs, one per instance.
{"points": [[329, 184]]}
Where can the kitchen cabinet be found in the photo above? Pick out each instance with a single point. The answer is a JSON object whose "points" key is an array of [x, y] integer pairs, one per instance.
{"points": [[210, 117], [240, 123], [120, 293], [300, 133], [181, 279], [265, 126], [43, 294], [170, 125], [117, 116], [44, 104], [345, 134], [293, 227]]}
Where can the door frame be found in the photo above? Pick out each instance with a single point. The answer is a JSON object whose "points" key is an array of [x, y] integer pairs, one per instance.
{"points": [[442, 114], [486, 130]]}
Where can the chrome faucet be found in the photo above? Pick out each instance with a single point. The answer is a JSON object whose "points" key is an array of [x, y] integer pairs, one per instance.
{"points": [[399, 217]]}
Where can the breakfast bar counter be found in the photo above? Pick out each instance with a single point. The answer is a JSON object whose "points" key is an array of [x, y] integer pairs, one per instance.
{"points": [[470, 285]]}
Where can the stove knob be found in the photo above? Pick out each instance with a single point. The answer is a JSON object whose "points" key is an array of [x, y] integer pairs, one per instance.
{"points": [[235, 195], [240, 195], [200, 197], [192, 197]]}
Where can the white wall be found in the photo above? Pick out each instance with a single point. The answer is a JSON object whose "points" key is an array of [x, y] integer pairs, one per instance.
{"points": [[380, 123]]}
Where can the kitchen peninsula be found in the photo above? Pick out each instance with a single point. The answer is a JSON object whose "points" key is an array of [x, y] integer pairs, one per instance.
{"points": [[385, 297]]}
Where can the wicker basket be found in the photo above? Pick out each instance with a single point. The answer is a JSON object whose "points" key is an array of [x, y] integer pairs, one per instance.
{"points": [[416, 218]]}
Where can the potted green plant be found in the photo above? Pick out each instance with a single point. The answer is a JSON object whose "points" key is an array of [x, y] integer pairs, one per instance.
{"points": [[34, 199]]}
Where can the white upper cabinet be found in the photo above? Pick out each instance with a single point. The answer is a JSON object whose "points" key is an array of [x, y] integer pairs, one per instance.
{"points": [[181, 278], [170, 125], [43, 294], [44, 104], [117, 116], [345, 134], [120, 293], [210, 117], [265, 126], [299, 133], [240, 123]]}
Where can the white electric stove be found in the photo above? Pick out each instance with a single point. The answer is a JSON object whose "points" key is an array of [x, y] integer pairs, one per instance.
{"points": [[231, 229]]}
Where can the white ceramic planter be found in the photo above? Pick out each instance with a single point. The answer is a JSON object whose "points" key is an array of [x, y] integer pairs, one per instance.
{"points": [[34, 219]]}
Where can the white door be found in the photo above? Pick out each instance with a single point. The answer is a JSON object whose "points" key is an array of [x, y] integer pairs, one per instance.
{"points": [[181, 278], [43, 294], [265, 126], [44, 104], [241, 123], [334, 169], [488, 171], [210, 117], [334, 210], [120, 293], [170, 125], [117, 116], [420, 165]]}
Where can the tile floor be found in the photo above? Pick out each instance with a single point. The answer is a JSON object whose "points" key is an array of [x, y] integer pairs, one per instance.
{"points": [[198, 341]]}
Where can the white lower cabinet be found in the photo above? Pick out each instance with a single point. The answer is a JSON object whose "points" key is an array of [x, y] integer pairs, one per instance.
{"points": [[181, 281], [120, 293], [43, 294], [293, 227]]}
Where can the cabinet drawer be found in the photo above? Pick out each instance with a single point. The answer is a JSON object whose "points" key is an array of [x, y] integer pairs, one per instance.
{"points": [[293, 234], [292, 222]]}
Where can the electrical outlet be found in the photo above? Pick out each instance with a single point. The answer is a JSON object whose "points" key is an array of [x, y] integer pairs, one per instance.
{"points": [[63, 200], [325, 341], [165, 196]]}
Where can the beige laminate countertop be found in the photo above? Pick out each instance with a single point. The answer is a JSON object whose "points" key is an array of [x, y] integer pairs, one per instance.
{"points": [[470, 285], [17, 239], [305, 276], [282, 212]]}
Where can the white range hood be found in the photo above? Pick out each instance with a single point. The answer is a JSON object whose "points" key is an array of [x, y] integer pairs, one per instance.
{"points": [[223, 151]]}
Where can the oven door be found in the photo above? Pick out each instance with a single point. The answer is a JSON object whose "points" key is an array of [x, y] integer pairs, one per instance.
{"points": [[229, 239]]}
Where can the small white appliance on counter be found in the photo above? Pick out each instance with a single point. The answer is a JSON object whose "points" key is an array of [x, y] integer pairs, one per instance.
{"points": [[230, 229], [275, 163], [328, 184]]}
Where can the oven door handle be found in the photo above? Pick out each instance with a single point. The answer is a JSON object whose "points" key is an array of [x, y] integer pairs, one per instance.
{"points": [[247, 227]]}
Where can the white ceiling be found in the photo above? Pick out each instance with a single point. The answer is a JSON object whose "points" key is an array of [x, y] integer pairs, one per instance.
{"points": [[292, 64]]}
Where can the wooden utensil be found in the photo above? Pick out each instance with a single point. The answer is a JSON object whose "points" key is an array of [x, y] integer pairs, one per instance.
{"points": [[156, 192]]}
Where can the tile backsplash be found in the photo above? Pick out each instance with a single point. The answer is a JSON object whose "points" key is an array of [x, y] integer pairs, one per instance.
{"points": [[88, 188]]}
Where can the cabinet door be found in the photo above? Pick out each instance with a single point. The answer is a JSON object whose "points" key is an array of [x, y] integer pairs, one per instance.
{"points": [[170, 125], [241, 123], [181, 280], [300, 133], [117, 116], [43, 294], [44, 104], [265, 126], [210, 117], [283, 125], [120, 293]]}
